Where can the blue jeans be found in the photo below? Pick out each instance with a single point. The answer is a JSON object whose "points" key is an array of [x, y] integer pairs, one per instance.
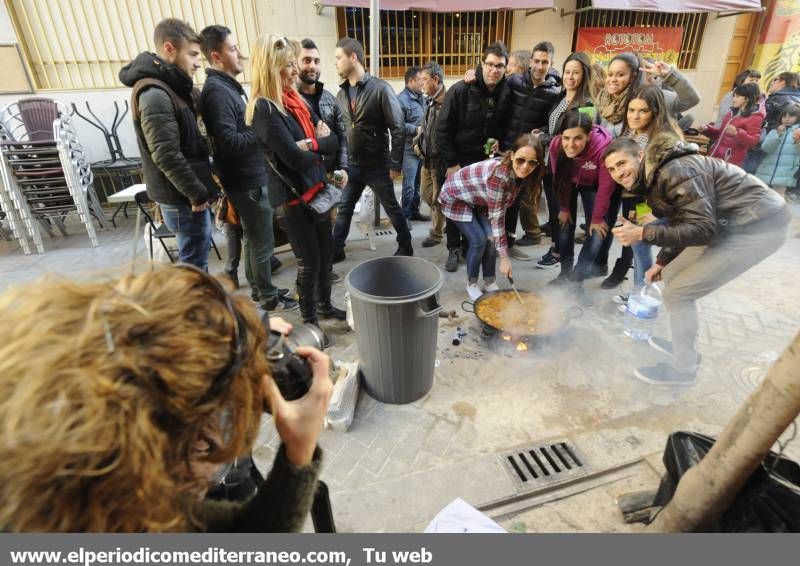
{"points": [[410, 198], [592, 245], [192, 230], [381, 184], [481, 251]]}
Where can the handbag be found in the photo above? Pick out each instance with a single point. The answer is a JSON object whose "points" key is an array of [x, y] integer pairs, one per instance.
{"points": [[322, 203]]}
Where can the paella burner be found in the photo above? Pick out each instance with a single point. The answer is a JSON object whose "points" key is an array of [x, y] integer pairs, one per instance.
{"points": [[506, 341]]}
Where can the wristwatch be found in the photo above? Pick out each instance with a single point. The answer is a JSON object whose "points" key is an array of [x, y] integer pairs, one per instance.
{"points": [[309, 143]]}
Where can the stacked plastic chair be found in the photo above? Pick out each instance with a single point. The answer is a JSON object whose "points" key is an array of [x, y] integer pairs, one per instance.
{"points": [[45, 172]]}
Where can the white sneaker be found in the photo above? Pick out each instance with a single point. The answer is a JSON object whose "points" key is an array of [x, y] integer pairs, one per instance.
{"points": [[474, 291], [492, 287], [620, 299]]}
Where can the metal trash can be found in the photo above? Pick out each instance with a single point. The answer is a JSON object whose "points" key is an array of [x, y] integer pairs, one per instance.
{"points": [[395, 308]]}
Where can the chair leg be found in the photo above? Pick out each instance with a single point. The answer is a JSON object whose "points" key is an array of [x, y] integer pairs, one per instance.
{"points": [[214, 245], [166, 249]]}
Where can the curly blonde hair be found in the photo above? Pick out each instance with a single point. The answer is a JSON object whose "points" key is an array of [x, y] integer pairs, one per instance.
{"points": [[105, 391]]}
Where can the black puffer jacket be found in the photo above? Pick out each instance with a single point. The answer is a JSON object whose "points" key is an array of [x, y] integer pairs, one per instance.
{"points": [[278, 133], [237, 156], [776, 104], [327, 107], [465, 123], [530, 105], [376, 114], [174, 154], [703, 198]]}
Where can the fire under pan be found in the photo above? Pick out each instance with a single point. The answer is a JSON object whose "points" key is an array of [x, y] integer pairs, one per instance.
{"points": [[544, 465]]}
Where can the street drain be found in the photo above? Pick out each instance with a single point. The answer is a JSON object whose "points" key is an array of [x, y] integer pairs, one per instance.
{"points": [[531, 467], [383, 232]]}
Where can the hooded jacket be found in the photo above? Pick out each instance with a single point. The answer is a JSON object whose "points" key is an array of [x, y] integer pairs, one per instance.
{"points": [[371, 119], [589, 169], [470, 115], [174, 154], [237, 156], [733, 148], [530, 105], [782, 158], [776, 103], [702, 198]]}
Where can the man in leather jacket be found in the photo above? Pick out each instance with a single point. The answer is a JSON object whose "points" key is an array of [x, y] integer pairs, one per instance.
{"points": [[717, 221], [372, 116], [323, 102]]}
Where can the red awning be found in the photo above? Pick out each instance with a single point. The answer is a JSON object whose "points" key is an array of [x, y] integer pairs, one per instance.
{"points": [[446, 5], [679, 5]]}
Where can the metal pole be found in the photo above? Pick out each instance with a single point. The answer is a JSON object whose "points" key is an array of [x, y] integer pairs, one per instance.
{"points": [[374, 59], [374, 36]]}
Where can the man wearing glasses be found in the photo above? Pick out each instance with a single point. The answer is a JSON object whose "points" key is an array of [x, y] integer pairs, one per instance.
{"points": [[472, 114]]}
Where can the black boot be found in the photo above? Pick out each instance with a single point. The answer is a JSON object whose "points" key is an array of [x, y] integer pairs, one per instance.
{"points": [[617, 275], [327, 310], [566, 274]]}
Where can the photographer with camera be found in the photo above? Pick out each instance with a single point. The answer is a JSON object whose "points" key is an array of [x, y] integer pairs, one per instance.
{"points": [[115, 396]]}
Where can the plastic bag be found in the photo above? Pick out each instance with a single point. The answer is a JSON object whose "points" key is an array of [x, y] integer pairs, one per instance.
{"points": [[769, 501], [365, 207], [342, 406]]}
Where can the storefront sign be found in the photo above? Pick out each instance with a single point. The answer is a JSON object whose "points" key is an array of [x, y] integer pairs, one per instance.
{"points": [[659, 43]]}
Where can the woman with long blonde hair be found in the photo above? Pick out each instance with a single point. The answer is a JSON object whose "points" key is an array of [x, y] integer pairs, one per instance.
{"points": [[297, 143], [116, 395]]}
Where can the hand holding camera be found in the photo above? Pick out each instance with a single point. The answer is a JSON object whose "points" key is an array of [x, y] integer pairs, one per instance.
{"points": [[298, 391]]}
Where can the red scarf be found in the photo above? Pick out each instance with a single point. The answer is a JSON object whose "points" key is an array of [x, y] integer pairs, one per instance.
{"points": [[296, 106]]}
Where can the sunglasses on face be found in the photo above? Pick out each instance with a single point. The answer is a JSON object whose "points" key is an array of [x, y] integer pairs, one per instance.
{"points": [[520, 161]]}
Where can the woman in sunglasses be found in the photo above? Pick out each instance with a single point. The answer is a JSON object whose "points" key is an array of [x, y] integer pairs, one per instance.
{"points": [[476, 199], [298, 144], [118, 398]]}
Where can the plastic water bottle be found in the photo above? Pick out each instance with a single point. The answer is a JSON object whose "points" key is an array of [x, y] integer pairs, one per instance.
{"points": [[641, 313]]}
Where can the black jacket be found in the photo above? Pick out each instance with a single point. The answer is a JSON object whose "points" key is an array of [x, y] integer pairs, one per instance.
{"points": [[327, 108], [530, 105], [465, 122], [376, 110], [703, 199], [277, 134], [776, 103], [175, 160], [237, 156]]}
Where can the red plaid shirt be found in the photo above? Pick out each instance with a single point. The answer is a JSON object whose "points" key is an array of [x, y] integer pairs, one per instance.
{"points": [[483, 184]]}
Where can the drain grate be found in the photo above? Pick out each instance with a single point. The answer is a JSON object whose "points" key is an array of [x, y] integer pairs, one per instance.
{"points": [[531, 467]]}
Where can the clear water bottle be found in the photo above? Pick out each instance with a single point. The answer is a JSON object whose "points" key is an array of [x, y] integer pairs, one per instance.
{"points": [[642, 312]]}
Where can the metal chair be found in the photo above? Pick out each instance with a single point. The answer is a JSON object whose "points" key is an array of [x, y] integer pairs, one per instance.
{"points": [[161, 232]]}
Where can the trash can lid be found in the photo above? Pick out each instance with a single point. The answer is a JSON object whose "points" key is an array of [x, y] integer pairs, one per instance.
{"points": [[394, 279]]}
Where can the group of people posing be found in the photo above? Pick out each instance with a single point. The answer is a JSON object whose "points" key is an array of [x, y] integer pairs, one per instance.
{"points": [[618, 146], [478, 153]]}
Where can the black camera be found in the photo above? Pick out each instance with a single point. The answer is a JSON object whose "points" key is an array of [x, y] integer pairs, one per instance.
{"points": [[291, 372]]}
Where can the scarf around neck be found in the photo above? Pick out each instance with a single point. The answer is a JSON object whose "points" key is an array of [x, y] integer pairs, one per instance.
{"points": [[297, 108], [612, 107]]}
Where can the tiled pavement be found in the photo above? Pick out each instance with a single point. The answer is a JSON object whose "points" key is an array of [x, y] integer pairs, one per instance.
{"points": [[398, 465]]}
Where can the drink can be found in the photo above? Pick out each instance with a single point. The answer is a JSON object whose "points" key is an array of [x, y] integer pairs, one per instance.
{"points": [[338, 178], [487, 147]]}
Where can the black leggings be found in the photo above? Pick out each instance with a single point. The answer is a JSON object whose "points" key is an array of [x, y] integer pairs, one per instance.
{"points": [[311, 238]]}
